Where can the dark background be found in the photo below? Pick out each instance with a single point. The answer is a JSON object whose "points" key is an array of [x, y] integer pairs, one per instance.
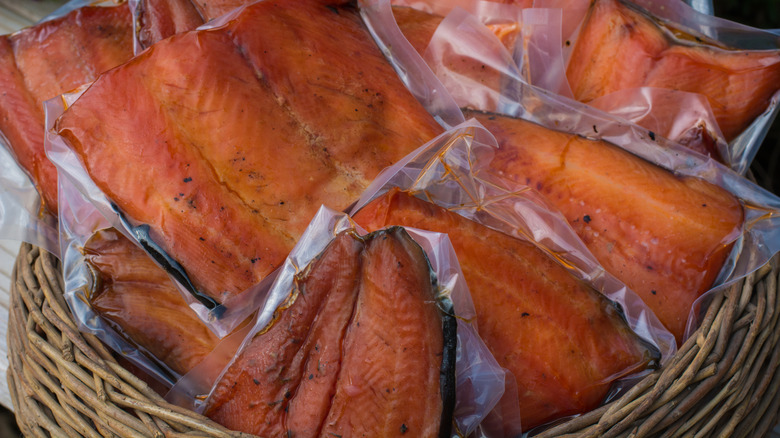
{"points": [[763, 14]]}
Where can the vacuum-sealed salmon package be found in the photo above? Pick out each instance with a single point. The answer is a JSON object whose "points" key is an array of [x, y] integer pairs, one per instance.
{"points": [[565, 328], [361, 334], [229, 151], [666, 44], [65, 50], [690, 114], [117, 293], [668, 222]]}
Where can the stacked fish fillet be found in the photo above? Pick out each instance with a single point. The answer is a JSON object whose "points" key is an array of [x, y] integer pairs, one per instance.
{"points": [[222, 143]]}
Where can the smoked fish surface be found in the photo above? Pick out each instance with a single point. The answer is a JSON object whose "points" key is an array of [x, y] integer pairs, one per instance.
{"points": [[665, 236], [43, 61], [357, 350], [160, 19], [564, 342], [237, 135], [140, 302], [620, 47]]}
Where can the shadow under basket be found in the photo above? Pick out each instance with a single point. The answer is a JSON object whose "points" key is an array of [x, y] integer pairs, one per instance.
{"points": [[722, 382]]}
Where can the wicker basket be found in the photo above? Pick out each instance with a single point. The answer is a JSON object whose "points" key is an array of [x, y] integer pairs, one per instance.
{"points": [[722, 382]]}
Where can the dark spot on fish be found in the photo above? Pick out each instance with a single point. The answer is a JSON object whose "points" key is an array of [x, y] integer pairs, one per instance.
{"points": [[201, 239], [181, 195], [176, 199], [595, 130], [704, 205], [332, 9], [400, 265], [649, 268], [287, 394], [255, 260], [586, 218], [311, 376], [257, 382], [653, 292], [492, 118], [652, 135], [403, 429], [524, 314], [483, 67], [188, 179], [281, 202], [539, 185], [568, 43], [698, 40]]}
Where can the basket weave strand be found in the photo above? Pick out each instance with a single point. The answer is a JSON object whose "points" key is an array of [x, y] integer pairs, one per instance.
{"points": [[66, 383], [723, 381]]}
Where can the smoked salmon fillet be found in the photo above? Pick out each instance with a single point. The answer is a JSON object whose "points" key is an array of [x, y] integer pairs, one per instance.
{"points": [[564, 342], [665, 236], [360, 348], [237, 136], [140, 302], [46, 60], [621, 47]]}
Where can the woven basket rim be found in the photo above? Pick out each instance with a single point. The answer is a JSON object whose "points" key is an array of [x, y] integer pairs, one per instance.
{"points": [[722, 381]]}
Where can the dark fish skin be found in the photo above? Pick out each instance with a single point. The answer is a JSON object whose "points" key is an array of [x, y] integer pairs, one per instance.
{"points": [[43, 61], [140, 302], [665, 236], [564, 342], [229, 134], [358, 350]]}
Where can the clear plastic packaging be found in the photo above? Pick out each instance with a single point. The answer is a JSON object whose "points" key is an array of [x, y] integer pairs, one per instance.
{"points": [[20, 207], [452, 172], [480, 381], [760, 235], [208, 208], [24, 215], [79, 221], [70, 168], [677, 17], [549, 33]]}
